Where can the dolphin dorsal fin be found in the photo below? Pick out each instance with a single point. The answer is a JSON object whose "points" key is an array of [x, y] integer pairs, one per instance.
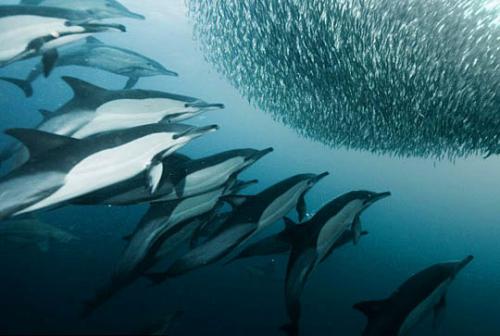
{"points": [[82, 88], [370, 308], [38, 142], [93, 40]]}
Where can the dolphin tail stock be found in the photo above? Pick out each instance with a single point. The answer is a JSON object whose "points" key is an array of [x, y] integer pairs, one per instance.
{"points": [[156, 278], [101, 297], [24, 85], [291, 329]]}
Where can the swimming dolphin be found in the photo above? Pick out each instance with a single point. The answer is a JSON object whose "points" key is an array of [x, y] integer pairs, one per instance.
{"points": [[95, 54], [29, 31], [314, 239], [416, 297], [251, 214], [280, 243], [99, 9], [181, 178], [148, 244], [94, 110], [31, 231], [62, 168]]}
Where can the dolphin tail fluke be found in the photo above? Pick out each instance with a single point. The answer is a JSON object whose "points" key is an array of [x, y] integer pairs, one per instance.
{"points": [[24, 85], [156, 278], [291, 329]]}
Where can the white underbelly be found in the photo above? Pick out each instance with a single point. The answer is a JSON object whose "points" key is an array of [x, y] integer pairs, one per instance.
{"points": [[106, 168]]}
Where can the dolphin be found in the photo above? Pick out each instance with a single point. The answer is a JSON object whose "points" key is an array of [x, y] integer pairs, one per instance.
{"points": [[95, 54], [280, 243], [100, 9], [94, 110], [62, 168], [314, 239], [251, 214], [150, 241], [29, 31], [31, 231], [412, 301], [182, 178]]}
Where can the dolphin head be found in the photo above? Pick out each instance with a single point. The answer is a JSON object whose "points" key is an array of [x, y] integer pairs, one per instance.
{"points": [[252, 155], [184, 133], [370, 197], [315, 178], [146, 67]]}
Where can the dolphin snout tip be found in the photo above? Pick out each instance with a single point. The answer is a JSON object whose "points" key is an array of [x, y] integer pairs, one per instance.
{"points": [[322, 175]]}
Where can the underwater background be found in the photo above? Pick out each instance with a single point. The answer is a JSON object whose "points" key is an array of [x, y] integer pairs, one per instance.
{"points": [[445, 201]]}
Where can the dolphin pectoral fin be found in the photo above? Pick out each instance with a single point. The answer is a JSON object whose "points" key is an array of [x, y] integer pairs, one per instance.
{"points": [[131, 82], [356, 229], [179, 188], [439, 311], [38, 142], [46, 114], [49, 60], [24, 85], [93, 40], [153, 176], [301, 208], [371, 308], [235, 200], [289, 224]]}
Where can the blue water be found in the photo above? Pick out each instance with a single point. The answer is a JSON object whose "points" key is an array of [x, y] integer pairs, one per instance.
{"points": [[440, 209]]}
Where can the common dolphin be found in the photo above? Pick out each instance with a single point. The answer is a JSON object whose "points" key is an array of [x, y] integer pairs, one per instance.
{"points": [[95, 54], [62, 168], [412, 301], [314, 239], [94, 110], [181, 178], [29, 31], [100, 9], [148, 244], [251, 214], [31, 231]]}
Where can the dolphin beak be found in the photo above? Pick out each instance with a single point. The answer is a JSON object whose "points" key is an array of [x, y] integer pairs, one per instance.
{"points": [[380, 196], [464, 262], [167, 72], [100, 27], [196, 132], [205, 106], [240, 185], [319, 177], [133, 15], [260, 154]]}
